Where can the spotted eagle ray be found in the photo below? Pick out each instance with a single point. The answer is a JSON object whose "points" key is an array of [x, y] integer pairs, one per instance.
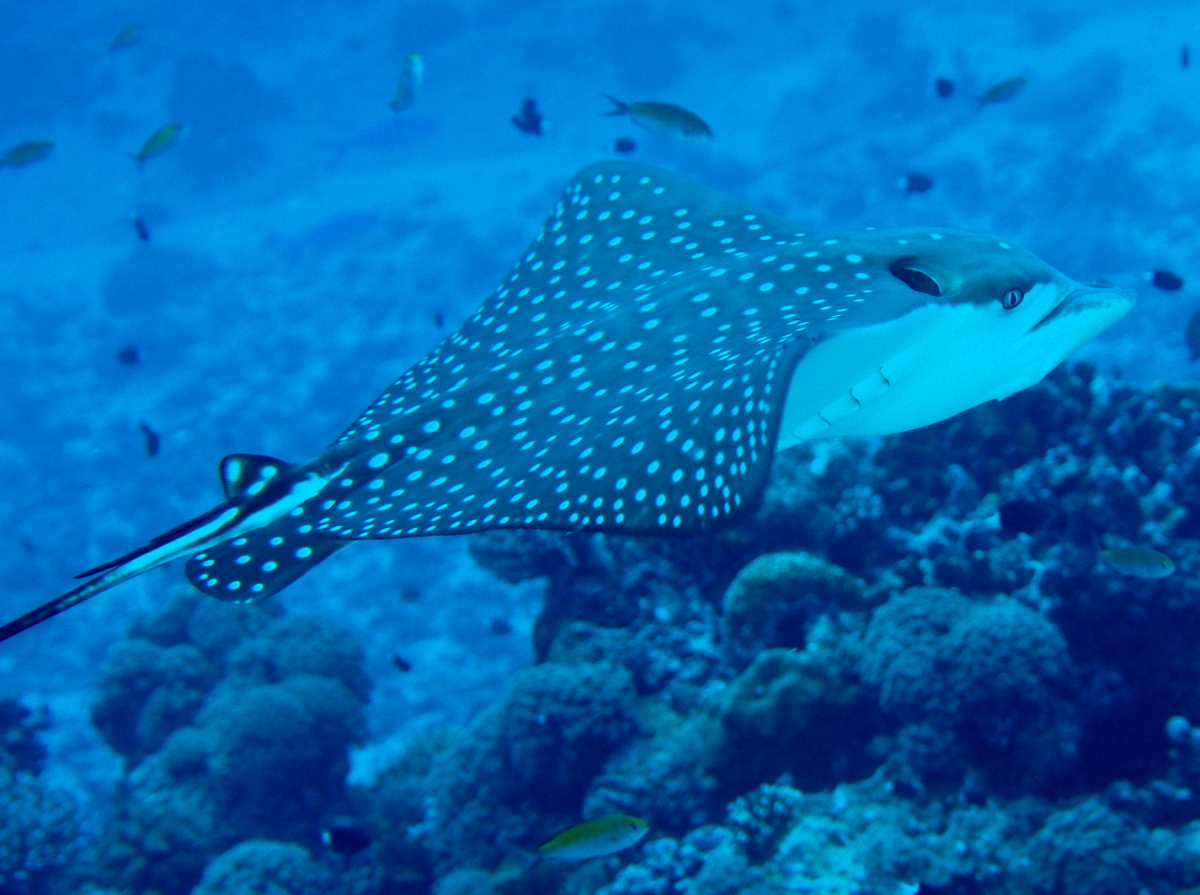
{"points": [[634, 374]]}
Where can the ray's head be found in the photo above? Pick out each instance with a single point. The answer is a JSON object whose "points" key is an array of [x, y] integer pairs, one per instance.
{"points": [[959, 319], [1034, 316]]}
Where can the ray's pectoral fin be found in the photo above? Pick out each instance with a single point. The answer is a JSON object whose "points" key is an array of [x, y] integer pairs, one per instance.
{"points": [[682, 466]]}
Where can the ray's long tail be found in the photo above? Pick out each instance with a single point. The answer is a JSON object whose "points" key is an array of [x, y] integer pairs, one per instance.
{"points": [[61, 604]]}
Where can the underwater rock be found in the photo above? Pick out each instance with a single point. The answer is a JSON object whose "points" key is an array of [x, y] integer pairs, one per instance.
{"points": [[260, 865], [707, 861], [299, 644], [45, 840], [1088, 849], [666, 779], [465, 881], [146, 692], [775, 598], [397, 805], [167, 824], [578, 642], [516, 555], [236, 723], [561, 723], [591, 577], [862, 838], [762, 816], [278, 754], [525, 761], [794, 712], [21, 749], [996, 673]]}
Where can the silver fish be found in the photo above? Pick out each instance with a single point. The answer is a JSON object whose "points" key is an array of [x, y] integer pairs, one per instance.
{"points": [[635, 372], [408, 85]]}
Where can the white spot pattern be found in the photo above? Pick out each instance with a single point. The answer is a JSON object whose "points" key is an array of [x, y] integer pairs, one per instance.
{"points": [[561, 405]]}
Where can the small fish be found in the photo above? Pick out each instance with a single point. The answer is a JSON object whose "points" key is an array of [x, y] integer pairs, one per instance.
{"points": [[1192, 334], [663, 118], [129, 356], [595, 838], [1165, 280], [127, 37], [1139, 562], [1185, 56], [159, 142], [346, 837], [408, 85], [139, 226], [499, 626], [27, 153], [529, 119], [916, 182], [624, 144], [439, 319], [1002, 92], [401, 663], [943, 87], [153, 440]]}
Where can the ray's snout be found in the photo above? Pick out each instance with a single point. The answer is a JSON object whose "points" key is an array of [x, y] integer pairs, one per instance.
{"points": [[1101, 294], [1110, 302]]}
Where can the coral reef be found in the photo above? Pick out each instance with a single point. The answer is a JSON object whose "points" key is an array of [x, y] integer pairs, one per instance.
{"points": [[796, 712], [776, 597], [925, 614], [236, 725], [21, 748], [526, 762], [995, 673], [46, 841], [862, 838], [260, 865], [907, 669]]}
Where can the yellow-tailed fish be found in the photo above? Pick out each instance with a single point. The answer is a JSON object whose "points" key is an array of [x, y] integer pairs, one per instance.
{"points": [[595, 838], [1139, 562], [663, 118], [412, 76], [1002, 92], [27, 153], [127, 37], [159, 142]]}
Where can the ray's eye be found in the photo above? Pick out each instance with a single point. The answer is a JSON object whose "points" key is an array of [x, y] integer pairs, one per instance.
{"points": [[914, 279], [1011, 299]]}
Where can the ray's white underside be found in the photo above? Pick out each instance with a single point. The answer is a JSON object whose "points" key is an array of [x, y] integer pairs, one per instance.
{"points": [[937, 361]]}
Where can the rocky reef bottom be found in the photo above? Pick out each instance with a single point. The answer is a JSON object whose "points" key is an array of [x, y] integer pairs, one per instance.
{"points": [[909, 670]]}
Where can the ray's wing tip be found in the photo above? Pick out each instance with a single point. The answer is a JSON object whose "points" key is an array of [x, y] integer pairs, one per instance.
{"points": [[608, 167]]}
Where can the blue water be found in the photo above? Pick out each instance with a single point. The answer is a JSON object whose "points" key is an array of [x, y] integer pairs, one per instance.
{"points": [[307, 245]]}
